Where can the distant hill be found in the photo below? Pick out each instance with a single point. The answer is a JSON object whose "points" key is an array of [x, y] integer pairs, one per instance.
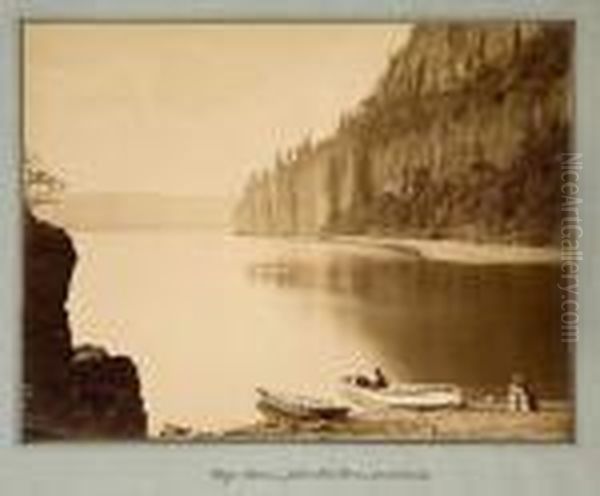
{"points": [[461, 138], [136, 210]]}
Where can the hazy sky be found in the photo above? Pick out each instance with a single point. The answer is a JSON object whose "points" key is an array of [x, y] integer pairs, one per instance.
{"points": [[189, 108]]}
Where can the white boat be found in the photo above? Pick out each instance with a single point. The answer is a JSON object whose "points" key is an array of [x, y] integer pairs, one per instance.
{"points": [[415, 396], [299, 407]]}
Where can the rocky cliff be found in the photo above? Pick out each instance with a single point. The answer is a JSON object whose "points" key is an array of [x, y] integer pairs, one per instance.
{"points": [[461, 138], [69, 393]]}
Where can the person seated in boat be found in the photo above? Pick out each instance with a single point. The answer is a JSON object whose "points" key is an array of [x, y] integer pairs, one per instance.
{"points": [[381, 381]]}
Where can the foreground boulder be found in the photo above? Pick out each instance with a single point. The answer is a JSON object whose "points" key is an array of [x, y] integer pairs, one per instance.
{"points": [[106, 392]]}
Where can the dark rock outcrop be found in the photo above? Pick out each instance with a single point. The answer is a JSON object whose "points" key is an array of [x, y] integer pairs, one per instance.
{"points": [[68, 394], [106, 390], [461, 138], [49, 261]]}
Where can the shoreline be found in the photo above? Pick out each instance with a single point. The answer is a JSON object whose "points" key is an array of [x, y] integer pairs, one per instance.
{"points": [[455, 251], [473, 425], [434, 250], [467, 426]]}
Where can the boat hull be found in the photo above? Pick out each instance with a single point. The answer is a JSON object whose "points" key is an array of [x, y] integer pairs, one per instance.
{"points": [[409, 396]]}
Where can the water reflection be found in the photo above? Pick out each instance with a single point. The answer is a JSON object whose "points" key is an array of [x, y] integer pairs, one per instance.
{"points": [[443, 322]]}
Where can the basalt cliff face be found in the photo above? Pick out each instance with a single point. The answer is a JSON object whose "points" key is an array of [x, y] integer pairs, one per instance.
{"points": [[461, 138], [69, 393]]}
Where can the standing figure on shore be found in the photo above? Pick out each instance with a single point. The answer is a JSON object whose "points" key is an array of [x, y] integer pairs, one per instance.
{"points": [[520, 396]]}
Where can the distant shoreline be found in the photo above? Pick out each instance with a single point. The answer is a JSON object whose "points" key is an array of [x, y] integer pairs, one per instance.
{"points": [[436, 250]]}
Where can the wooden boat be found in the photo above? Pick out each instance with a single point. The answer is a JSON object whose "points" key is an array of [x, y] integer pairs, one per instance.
{"points": [[299, 407], [415, 396]]}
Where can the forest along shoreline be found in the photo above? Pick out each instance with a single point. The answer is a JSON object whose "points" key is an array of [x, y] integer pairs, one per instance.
{"points": [[460, 139]]}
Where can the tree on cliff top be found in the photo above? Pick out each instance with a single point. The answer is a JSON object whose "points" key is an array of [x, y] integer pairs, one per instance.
{"points": [[39, 184]]}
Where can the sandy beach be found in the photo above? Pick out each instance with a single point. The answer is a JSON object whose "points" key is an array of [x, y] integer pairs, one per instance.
{"points": [[472, 425]]}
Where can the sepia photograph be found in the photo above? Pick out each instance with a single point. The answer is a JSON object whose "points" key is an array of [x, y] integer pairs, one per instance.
{"points": [[320, 232]]}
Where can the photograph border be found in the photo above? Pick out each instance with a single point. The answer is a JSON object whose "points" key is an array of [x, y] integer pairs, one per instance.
{"points": [[512, 466]]}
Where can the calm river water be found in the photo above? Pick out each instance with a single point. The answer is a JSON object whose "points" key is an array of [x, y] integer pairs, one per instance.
{"points": [[209, 317]]}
